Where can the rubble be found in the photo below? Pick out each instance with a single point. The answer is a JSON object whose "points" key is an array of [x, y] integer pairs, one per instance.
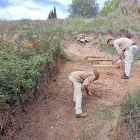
{"points": [[83, 39]]}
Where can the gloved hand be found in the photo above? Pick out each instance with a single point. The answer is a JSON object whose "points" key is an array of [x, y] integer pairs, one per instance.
{"points": [[119, 61], [89, 93]]}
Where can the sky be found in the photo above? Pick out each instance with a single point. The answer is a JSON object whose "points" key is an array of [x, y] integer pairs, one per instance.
{"points": [[35, 9]]}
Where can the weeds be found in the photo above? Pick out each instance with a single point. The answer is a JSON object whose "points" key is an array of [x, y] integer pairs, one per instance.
{"points": [[106, 48], [23, 71], [137, 55], [130, 113]]}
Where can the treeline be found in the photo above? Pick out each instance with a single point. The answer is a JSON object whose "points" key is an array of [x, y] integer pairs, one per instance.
{"points": [[82, 8]]}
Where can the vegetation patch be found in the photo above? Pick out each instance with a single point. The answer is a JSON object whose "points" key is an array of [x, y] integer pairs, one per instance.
{"points": [[23, 71], [105, 114], [130, 113]]}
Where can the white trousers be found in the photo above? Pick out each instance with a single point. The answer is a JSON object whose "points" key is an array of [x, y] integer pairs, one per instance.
{"points": [[77, 96], [129, 54]]}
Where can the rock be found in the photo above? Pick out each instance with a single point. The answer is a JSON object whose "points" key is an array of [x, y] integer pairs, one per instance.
{"points": [[83, 39]]}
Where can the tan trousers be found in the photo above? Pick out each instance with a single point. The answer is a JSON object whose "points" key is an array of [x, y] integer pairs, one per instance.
{"points": [[77, 96]]}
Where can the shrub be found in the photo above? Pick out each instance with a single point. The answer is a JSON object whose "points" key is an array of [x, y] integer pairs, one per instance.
{"points": [[22, 70]]}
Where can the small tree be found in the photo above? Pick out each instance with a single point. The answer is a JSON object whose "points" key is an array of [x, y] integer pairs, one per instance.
{"points": [[55, 15], [52, 14]]}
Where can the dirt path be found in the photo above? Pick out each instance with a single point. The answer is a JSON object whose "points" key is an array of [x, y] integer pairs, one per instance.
{"points": [[52, 117]]}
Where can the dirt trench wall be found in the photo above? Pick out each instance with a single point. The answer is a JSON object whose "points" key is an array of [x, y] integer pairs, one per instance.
{"points": [[13, 120]]}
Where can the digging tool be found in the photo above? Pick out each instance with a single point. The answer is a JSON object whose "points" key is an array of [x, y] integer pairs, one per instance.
{"points": [[110, 69], [113, 66], [93, 96]]}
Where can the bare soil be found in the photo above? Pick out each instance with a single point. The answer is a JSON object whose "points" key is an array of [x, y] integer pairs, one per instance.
{"points": [[52, 116]]}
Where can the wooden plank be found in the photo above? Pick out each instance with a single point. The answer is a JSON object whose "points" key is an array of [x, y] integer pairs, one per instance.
{"points": [[99, 59], [115, 66]]}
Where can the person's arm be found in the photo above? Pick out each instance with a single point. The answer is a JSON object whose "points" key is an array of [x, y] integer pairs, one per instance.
{"points": [[86, 83], [118, 50], [85, 88]]}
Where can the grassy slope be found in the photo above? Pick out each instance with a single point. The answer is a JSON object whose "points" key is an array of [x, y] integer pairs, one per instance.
{"points": [[112, 22]]}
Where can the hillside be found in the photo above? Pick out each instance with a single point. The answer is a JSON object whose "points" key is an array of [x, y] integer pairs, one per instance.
{"points": [[52, 116]]}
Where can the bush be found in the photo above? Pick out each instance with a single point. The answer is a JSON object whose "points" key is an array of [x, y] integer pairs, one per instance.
{"points": [[22, 70]]}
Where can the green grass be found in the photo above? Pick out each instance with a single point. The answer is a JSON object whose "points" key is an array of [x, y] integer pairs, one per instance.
{"points": [[137, 55], [78, 24], [130, 113], [103, 47]]}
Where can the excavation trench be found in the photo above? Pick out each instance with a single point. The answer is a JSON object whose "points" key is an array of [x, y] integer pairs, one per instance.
{"points": [[53, 118]]}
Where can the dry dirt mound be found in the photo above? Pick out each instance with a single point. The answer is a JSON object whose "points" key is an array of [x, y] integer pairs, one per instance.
{"points": [[52, 117]]}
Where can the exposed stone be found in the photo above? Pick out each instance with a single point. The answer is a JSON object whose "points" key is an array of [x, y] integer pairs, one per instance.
{"points": [[83, 39]]}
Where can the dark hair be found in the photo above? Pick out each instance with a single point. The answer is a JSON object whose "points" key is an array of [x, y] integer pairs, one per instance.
{"points": [[110, 39], [96, 74]]}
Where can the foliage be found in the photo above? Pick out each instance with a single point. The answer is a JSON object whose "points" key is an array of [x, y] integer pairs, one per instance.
{"points": [[52, 14], [109, 7], [130, 113], [129, 9], [106, 48], [22, 70], [84, 8], [137, 55], [120, 7]]}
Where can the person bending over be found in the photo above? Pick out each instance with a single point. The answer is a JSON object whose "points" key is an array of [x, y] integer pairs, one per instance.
{"points": [[81, 81], [129, 48]]}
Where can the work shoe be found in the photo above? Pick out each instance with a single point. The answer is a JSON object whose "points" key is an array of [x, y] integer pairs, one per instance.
{"points": [[124, 77], [82, 115]]}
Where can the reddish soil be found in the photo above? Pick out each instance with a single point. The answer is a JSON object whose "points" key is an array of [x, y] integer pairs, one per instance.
{"points": [[52, 116]]}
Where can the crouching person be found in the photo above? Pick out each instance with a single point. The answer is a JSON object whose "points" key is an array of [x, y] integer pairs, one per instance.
{"points": [[81, 81]]}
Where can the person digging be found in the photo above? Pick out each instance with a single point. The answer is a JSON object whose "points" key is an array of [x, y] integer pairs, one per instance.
{"points": [[129, 48], [81, 81]]}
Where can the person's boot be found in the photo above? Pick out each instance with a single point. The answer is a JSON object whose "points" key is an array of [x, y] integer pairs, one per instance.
{"points": [[82, 115], [124, 77]]}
